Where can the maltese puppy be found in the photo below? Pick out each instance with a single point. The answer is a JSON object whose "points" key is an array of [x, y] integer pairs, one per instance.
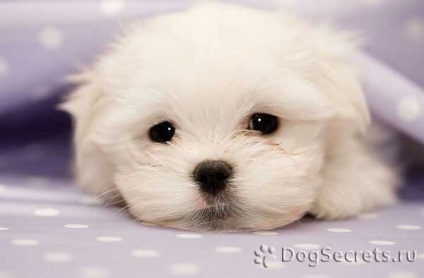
{"points": [[225, 117]]}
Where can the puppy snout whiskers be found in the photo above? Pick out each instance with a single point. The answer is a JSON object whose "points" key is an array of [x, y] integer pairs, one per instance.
{"points": [[212, 176]]}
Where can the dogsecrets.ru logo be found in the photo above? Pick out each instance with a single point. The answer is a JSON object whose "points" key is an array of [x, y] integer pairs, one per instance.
{"points": [[267, 256]]}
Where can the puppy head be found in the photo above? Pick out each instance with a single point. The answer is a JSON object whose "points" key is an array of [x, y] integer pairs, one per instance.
{"points": [[208, 121]]}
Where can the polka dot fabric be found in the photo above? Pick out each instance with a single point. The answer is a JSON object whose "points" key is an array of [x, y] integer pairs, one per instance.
{"points": [[49, 228], [74, 239], [59, 38]]}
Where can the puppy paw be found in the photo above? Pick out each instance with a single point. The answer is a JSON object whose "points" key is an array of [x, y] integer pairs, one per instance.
{"points": [[355, 184]]}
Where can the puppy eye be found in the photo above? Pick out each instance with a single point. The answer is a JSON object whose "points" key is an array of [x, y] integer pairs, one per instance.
{"points": [[264, 123], [162, 132]]}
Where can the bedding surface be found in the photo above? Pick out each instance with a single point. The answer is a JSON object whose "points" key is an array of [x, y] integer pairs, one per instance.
{"points": [[48, 228]]}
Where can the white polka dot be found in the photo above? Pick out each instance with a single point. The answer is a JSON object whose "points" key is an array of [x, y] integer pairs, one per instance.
{"points": [[111, 7], [4, 229], [408, 109], [382, 242], [189, 236], [51, 37], [339, 230], [108, 238], [403, 274], [75, 226], [368, 216], [46, 212], [414, 29], [57, 257], [24, 242], [145, 253], [307, 246], [265, 233], [408, 227], [274, 265], [94, 272], [227, 249], [6, 274], [4, 67], [184, 269]]}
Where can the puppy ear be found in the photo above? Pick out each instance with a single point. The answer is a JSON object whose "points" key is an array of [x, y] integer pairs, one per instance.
{"points": [[81, 103], [85, 104], [334, 73], [341, 85]]}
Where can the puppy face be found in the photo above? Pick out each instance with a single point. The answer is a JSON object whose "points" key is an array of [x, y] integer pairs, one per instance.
{"points": [[237, 158], [207, 121]]}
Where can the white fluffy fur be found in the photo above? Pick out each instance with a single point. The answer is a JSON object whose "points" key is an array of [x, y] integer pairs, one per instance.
{"points": [[208, 70]]}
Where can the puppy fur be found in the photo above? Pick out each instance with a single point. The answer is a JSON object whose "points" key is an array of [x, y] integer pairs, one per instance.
{"points": [[207, 70]]}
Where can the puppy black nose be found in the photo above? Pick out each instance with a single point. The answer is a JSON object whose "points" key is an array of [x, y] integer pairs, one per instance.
{"points": [[212, 175]]}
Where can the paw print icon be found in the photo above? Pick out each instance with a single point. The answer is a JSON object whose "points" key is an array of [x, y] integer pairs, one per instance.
{"points": [[264, 255]]}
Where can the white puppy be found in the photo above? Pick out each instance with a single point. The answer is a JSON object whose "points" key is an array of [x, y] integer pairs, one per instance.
{"points": [[226, 117]]}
